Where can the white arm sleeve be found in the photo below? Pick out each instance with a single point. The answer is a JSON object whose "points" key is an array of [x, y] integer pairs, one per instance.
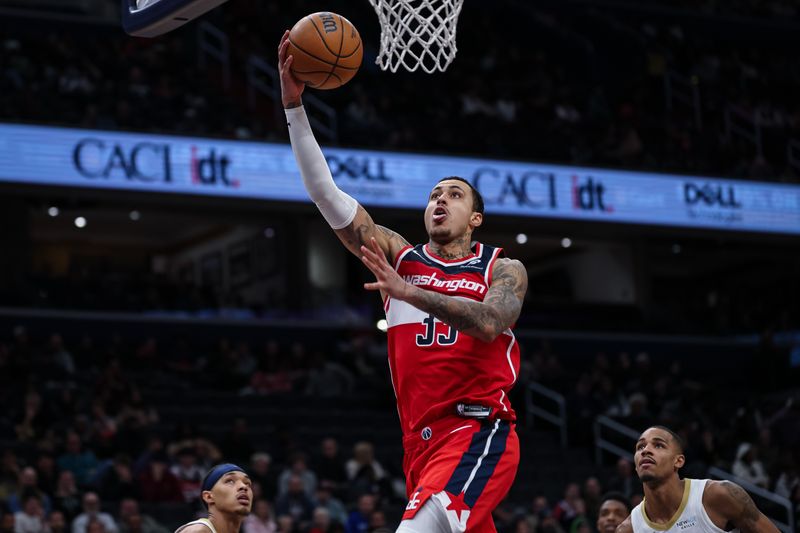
{"points": [[338, 208]]}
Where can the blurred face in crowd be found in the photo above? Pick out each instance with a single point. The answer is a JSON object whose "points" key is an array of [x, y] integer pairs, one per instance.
{"points": [[73, 444], [592, 488], [134, 523], [7, 522], [624, 468], [233, 493], [523, 527], [187, 460], [33, 507], [91, 503], [329, 448], [299, 465], [95, 526], [657, 455], [296, 485], [261, 464], [363, 453], [28, 477], [572, 492], [377, 519], [66, 482], [261, 509], [57, 522], [540, 505], [612, 513], [46, 464], [285, 524], [128, 507], [322, 518], [366, 504]]}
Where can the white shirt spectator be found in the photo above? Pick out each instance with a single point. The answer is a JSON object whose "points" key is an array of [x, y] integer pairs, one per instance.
{"points": [[748, 467], [24, 523]]}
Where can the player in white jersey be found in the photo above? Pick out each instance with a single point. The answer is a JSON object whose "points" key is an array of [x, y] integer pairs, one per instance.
{"points": [[676, 505], [227, 493]]}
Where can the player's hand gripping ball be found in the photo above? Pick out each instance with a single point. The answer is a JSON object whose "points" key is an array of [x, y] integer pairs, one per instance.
{"points": [[327, 50]]}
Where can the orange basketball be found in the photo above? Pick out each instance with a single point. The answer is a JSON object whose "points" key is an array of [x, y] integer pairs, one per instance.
{"points": [[327, 50]]}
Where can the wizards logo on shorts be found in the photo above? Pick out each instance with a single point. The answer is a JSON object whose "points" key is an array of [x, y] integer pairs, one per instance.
{"points": [[414, 501]]}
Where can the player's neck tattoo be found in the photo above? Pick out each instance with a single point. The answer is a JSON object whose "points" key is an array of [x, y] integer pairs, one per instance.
{"points": [[455, 249]]}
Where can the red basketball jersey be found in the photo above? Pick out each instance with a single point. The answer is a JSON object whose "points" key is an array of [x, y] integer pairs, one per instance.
{"points": [[435, 367]]}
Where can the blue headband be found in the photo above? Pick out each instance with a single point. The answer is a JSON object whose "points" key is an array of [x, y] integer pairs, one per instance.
{"points": [[217, 472]]}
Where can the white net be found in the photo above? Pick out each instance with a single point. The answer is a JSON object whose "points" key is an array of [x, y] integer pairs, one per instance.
{"points": [[417, 33]]}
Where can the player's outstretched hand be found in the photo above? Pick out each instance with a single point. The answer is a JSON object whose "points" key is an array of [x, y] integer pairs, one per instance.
{"points": [[291, 87], [387, 279]]}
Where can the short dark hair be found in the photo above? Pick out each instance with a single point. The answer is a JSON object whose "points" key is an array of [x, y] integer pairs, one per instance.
{"points": [[477, 198], [677, 438], [617, 497]]}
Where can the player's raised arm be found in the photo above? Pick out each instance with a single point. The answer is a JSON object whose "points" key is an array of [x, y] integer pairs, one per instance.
{"points": [[351, 222], [731, 503]]}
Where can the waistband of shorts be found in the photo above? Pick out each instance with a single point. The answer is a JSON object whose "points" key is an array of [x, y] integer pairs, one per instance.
{"points": [[436, 429]]}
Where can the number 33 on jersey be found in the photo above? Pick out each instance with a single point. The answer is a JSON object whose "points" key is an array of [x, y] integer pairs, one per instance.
{"points": [[434, 366]]}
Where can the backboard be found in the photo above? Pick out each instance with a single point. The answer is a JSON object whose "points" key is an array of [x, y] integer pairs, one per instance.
{"points": [[151, 18]]}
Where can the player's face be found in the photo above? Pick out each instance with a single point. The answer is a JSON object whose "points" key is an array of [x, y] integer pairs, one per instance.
{"points": [[612, 513], [657, 455], [449, 212], [233, 493]]}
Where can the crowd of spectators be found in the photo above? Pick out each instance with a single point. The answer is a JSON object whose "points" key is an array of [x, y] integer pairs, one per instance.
{"points": [[728, 420], [90, 451], [587, 104], [83, 449]]}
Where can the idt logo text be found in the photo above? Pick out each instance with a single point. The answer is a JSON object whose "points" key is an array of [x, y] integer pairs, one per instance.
{"points": [[212, 169], [590, 195]]}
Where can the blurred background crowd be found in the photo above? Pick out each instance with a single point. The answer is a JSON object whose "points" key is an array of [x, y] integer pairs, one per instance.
{"points": [[123, 379]]}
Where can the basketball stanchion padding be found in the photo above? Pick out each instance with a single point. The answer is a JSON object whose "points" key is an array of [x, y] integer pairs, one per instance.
{"points": [[151, 18], [417, 34]]}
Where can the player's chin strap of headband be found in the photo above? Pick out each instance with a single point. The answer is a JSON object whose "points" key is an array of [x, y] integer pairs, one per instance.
{"points": [[338, 208], [216, 473]]}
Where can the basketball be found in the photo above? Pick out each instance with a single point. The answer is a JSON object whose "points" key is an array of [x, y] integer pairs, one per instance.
{"points": [[327, 50]]}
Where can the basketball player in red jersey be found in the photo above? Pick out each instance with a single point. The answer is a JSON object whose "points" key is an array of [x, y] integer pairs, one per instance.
{"points": [[453, 358]]}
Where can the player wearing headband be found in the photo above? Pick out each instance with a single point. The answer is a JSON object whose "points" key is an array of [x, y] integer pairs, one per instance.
{"points": [[227, 493]]}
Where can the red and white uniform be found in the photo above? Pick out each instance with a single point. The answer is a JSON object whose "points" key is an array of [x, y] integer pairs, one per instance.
{"points": [[435, 368]]}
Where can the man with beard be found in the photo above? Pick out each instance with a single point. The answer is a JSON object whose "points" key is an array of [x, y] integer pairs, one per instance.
{"points": [[676, 505], [614, 508], [227, 493]]}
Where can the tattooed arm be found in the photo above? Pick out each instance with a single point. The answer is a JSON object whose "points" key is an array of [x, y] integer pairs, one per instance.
{"points": [[359, 232], [729, 506], [483, 320]]}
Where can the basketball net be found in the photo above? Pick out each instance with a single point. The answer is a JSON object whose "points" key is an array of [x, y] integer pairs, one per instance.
{"points": [[417, 33]]}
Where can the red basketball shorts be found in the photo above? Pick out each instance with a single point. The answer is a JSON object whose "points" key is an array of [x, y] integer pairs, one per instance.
{"points": [[468, 465]]}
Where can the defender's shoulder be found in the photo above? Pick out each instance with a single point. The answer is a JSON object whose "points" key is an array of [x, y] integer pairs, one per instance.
{"points": [[194, 528], [720, 492], [626, 526]]}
